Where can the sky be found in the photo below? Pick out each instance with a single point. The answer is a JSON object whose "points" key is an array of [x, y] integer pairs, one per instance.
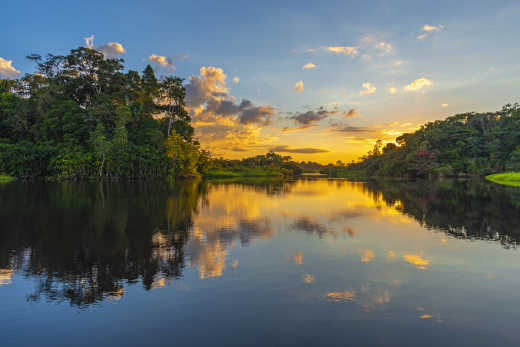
{"points": [[318, 81]]}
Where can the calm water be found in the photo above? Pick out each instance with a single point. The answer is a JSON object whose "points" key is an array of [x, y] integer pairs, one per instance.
{"points": [[304, 263]]}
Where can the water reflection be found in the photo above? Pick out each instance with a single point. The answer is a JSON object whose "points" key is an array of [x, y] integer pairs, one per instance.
{"points": [[85, 242], [463, 209]]}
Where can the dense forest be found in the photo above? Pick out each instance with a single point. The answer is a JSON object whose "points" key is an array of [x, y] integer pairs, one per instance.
{"points": [[461, 145], [81, 116]]}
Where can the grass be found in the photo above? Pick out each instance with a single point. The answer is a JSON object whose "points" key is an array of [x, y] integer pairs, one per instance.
{"points": [[6, 179], [506, 178]]}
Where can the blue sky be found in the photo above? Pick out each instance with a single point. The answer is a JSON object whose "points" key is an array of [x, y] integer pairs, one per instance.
{"points": [[469, 60]]}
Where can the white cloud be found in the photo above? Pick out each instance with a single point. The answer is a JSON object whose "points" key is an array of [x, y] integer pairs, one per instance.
{"points": [[89, 41], [422, 36], [299, 86], [347, 50], [210, 84], [111, 49], [309, 65], [418, 84], [236, 79], [368, 88], [163, 61], [398, 62], [7, 69]]}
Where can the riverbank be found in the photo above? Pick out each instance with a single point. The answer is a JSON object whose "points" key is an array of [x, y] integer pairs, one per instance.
{"points": [[505, 178], [6, 179], [253, 172]]}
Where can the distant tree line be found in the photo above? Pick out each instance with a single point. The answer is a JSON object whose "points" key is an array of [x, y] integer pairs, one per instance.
{"points": [[461, 145], [81, 116]]}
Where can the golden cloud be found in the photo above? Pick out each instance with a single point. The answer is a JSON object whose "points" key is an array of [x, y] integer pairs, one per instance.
{"points": [[368, 88], [417, 261], [367, 255], [347, 50], [299, 86], [7, 70], [309, 65], [298, 257], [418, 84], [308, 278]]}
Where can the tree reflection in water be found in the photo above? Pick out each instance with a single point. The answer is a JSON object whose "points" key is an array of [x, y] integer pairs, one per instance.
{"points": [[467, 209], [84, 242]]}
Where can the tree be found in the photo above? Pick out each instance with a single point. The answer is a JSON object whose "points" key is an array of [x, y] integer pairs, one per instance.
{"points": [[101, 146]]}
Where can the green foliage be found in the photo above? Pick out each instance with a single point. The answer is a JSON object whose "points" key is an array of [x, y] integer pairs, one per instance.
{"points": [[462, 145], [506, 178], [80, 116], [184, 156], [268, 165]]}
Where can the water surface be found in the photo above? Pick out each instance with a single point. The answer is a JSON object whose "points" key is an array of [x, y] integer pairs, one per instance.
{"points": [[302, 263]]}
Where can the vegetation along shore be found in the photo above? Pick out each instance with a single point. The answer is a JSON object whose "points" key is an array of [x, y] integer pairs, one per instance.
{"points": [[80, 116]]}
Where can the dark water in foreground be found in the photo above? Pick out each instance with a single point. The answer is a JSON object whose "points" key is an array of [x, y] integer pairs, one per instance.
{"points": [[305, 263]]}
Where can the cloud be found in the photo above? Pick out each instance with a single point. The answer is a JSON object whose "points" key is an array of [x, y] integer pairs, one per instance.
{"points": [[309, 65], [347, 295], [287, 149], [89, 41], [367, 255], [299, 86], [398, 62], [298, 258], [383, 131], [392, 90], [350, 113], [308, 278], [444, 105], [384, 46], [163, 61], [111, 49], [347, 50], [368, 87], [245, 111], [223, 124], [210, 84], [310, 226], [309, 117], [418, 84], [371, 41], [429, 28], [352, 129], [236, 79], [7, 70], [417, 261]]}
